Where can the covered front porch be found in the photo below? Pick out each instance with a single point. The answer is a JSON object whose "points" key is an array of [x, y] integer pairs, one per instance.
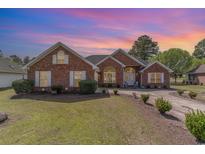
{"points": [[127, 76]]}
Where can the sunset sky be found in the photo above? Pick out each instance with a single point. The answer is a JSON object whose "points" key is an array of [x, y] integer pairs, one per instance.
{"points": [[98, 31]]}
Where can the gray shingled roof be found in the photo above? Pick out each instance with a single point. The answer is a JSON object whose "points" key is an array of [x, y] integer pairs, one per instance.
{"points": [[7, 66], [95, 58], [199, 69]]}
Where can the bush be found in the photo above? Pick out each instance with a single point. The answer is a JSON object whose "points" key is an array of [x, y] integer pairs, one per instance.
{"points": [[103, 91], [195, 122], [144, 97], [192, 94], [163, 105], [88, 86], [180, 92], [23, 86], [115, 91], [57, 88]]}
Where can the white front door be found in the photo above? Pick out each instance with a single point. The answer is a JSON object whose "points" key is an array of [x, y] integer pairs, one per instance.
{"points": [[129, 76]]}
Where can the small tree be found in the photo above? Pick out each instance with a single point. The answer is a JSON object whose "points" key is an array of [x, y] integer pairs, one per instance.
{"points": [[144, 48], [199, 51]]}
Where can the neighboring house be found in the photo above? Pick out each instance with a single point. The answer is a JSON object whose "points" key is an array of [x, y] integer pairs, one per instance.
{"points": [[197, 75], [60, 65], [9, 71]]}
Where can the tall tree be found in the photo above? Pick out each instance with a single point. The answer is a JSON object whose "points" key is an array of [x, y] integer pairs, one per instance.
{"points": [[26, 60], [1, 53], [199, 51], [144, 48], [178, 60], [16, 59]]}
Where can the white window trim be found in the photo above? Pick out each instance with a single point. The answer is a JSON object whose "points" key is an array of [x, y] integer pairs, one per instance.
{"points": [[72, 77], [155, 77]]}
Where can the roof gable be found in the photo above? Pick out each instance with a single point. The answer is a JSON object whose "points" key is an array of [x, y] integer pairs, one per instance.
{"points": [[110, 57], [157, 62], [129, 56], [52, 48]]}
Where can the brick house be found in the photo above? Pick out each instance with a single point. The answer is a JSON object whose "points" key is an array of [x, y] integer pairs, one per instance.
{"points": [[197, 75], [60, 65]]}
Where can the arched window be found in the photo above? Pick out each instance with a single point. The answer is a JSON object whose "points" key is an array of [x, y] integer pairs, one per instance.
{"points": [[109, 75], [60, 57], [130, 70]]}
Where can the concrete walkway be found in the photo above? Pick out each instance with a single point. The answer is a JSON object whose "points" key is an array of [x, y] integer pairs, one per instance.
{"points": [[180, 105]]}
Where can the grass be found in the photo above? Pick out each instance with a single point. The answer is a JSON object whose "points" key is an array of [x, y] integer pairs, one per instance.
{"points": [[113, 120], [194, 88]]}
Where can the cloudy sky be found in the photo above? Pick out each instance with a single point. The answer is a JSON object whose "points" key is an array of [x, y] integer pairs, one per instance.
{"points": [[98, 31]]}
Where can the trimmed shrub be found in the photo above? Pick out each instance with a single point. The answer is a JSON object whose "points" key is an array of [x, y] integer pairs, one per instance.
{"points": [[57, 88], [180, 91], [192, 94], [195, 122], [144, 97], [88, 86], [103, 91], [23, 86], [115, 91], [163, 105]]}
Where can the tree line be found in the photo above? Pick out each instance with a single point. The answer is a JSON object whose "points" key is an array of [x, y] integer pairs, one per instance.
{"points": [[16, 59], [179, 60]]}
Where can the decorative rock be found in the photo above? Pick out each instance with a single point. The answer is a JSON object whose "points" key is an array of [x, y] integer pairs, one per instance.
{"points": [[3, 117]]}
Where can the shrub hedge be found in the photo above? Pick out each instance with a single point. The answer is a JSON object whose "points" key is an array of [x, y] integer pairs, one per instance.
{"points": [[88, 86], [23, 86], [195, 122]]}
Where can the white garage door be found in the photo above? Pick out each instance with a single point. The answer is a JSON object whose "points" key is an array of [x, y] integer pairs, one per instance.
{"points": [[6, 79]]}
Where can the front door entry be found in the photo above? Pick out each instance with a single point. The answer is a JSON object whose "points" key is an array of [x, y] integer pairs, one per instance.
{"points": [[129, 76]]}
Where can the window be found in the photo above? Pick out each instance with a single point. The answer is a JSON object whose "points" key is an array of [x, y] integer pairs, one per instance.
{"points": [[155, 77], [109, 75], [43, 76], [77, 77], [60, 57]]}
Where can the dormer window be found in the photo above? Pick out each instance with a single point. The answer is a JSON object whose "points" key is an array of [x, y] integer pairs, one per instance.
{"points": [[60, 58]]}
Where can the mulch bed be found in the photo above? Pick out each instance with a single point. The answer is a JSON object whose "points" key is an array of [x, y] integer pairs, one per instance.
{"points": [[60, 97], [172, 130]]}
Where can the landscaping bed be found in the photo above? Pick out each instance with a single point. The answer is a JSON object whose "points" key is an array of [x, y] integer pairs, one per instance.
{"points": [[171, 129], [116, 119]]}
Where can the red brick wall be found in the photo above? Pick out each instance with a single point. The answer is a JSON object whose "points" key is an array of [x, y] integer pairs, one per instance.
{"points": [[201, 78], [60, 72], [118, 68], [125, 59], [156, 68]]}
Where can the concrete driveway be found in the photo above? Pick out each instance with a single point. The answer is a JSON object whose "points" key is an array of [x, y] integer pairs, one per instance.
{"points": [[180, 105]]}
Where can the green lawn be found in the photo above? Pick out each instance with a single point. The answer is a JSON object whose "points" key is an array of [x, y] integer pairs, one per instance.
{"points": [[112, 120], [194, 88]]}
